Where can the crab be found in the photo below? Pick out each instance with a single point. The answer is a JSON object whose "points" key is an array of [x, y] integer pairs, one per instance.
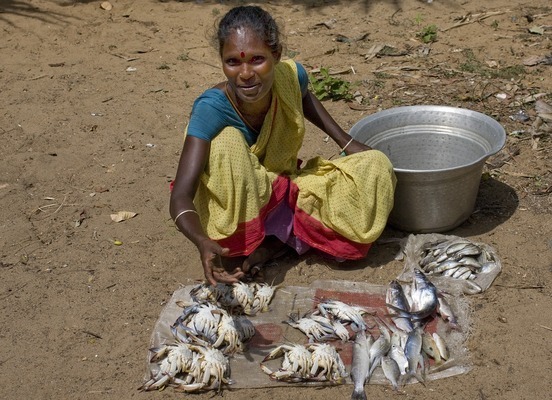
{"points": [[175, 360], [211, 368], [228, 335], [243, 296], [326, 364], [204, 292], [296, 365], [262, 297], [203, 319], [246, 329], [317, 328], [344, 313]]}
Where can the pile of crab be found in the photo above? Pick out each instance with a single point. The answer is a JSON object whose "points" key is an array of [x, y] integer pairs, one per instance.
{"points": [[317, 361], [209, 330]]}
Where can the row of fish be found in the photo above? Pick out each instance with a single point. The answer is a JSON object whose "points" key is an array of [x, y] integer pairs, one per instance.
{"points": [[403, 347], [400, 355], [456, 258]]}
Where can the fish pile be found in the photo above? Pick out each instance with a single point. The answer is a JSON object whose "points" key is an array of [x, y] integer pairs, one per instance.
{"points": [[402, 348], [400, 355], [214, 327], [456, 258], [316, 362]]}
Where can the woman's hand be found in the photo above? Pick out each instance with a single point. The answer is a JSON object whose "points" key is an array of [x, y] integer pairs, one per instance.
{"points": [[211, 253], [356, 147]]}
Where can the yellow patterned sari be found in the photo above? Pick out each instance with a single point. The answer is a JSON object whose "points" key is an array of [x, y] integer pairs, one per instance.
{"points": [[339, 207]]}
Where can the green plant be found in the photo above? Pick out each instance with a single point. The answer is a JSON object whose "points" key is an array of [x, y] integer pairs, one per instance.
{"points": [[327, 87], [474, 66], [164, 66], [215, 12], [428, 34], [183, 57], [419, 19]]}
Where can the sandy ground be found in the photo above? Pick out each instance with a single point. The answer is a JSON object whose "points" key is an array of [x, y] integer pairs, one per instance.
{"points": [[93, 106]]}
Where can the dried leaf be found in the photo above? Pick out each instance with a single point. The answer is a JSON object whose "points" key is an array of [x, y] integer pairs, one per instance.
{"points": [[123, 216], [544, 110], [533, 60], [539, 30]]}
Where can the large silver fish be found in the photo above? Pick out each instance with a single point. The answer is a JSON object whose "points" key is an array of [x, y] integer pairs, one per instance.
{"points": [[360, 367], [424, 298], [396, 298]]}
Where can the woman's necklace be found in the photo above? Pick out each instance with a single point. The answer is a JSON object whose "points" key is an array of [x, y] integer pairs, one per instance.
{"points": [[244, 119]]}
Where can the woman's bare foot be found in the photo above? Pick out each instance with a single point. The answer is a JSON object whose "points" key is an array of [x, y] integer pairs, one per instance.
{"points": [[268, 249]]}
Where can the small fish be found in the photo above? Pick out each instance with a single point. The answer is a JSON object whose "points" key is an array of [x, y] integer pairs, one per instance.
{"points": [[397, 354], [441, 346], [379, 349], [445, 266], [455, 246], [360, 367], [391, 371], [446, 313], [413, 353], [461, 272], [469, 250], [430, 347]]}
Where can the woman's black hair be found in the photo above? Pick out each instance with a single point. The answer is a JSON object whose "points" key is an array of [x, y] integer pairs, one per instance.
{"points": [[253, 18]]}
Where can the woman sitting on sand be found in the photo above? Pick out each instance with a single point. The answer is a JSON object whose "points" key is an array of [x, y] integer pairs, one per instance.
{"points": [[239, 190]]}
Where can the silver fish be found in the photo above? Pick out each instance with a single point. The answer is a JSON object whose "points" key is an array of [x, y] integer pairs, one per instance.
{"points": [[444, 266], [397, 354], [395, 297], [459, 245], [413, 353], [391, 371], [446, 313], [469, 250], [424, 298], [379, 349], [461, 272], [360, 367], [441, 346]]}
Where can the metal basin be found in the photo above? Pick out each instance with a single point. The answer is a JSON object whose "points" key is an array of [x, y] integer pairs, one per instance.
{"points": [[438, 154]]}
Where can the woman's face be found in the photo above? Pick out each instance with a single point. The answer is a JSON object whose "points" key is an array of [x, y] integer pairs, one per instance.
{"points": [[248, 64]]}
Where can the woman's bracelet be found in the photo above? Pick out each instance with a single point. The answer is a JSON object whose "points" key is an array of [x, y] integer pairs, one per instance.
{"points": [[181, 213], [347, 145]]}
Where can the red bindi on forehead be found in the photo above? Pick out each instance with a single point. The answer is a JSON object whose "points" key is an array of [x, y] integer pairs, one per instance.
{"points": [[242, 54]]}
